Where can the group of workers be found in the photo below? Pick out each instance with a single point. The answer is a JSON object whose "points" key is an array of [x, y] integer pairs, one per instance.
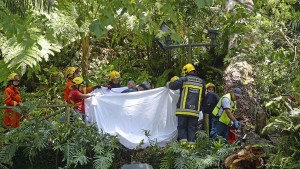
{"points": [[195, 96]]}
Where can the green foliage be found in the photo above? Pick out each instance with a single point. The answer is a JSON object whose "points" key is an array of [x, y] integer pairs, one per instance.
{"points": [[288, 148], [79, 145], [205, 155]]}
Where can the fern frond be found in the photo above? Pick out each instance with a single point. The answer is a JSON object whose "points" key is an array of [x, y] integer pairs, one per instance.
{"points": [[7, 153], [80, 157], [182, 163], [104, 161]]}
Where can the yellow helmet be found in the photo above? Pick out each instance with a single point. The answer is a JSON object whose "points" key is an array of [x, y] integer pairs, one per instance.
{"points": [[188, 68], [11, 76], [70, 71], [114, 75], [174, 78], [210, 85], [77, 80]]}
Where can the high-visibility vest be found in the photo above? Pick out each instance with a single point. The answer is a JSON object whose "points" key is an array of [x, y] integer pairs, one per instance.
{"points": [[193, 85], [222, 115]]}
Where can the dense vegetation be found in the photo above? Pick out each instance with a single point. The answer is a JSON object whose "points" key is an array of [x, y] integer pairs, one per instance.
{"points": [[40, 38]]}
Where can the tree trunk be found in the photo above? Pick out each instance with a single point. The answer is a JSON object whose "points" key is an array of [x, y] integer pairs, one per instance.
{"points": [[85, 54]]}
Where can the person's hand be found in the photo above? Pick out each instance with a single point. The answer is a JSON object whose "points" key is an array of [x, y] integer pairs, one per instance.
{"points": [[167, 85], [108, 86], [237, 124], [174, 78], [96, 87]]}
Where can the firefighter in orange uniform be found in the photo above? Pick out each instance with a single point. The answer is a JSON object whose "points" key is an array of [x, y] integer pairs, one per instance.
{"points": [[71, 73], [12, 98]]}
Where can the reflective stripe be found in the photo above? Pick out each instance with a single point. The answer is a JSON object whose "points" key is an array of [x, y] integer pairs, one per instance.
{"points": [[186, 89], [187, 110], [84, 90], [199, 101], [188, 113]]}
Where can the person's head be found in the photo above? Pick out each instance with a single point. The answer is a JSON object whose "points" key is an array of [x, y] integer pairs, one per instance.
{"points": [[147, 84], [13, 79], [210, 87], [114, 77], [131, 84], [188, 68], [142, 87], [72, 72], [236, 93], [78, 83]]}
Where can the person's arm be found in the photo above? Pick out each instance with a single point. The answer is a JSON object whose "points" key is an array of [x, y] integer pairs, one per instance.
{"points": [[84, 96], [177, 84], [230, 115], [203, 91]]}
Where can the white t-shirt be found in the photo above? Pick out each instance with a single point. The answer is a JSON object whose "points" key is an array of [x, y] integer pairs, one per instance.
{"points": [[225, 105]]}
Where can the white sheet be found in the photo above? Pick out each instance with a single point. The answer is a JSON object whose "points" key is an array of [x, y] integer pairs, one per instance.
{"points": [[127, 115]]}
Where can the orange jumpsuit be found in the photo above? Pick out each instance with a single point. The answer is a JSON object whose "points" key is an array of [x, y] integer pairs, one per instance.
{"points": [[12, 98], [67, 90]]}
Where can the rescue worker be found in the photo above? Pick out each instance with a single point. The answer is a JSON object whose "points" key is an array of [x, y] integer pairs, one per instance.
{"points": [[131, 87], [12, 98], [71, 73], [76, 97], [114, 80], [147, 84], [223, 114], [142, 87], [208, 104], [192, 90]]}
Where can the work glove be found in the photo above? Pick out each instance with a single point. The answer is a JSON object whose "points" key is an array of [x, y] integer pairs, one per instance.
{"points": [[237, 124], [108, 86], [96, 87], [167, 85], [174, 78]]}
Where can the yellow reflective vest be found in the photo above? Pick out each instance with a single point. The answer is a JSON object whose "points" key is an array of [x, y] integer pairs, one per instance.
{"points": [[191, 96], [223, 118]]}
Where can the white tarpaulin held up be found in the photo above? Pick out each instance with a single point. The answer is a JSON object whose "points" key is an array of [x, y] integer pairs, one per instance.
{"points": [[128, 115]]}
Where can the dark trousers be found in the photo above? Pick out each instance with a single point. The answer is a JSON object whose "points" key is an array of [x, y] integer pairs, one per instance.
{"points": [[187, 127], [218, 129]]}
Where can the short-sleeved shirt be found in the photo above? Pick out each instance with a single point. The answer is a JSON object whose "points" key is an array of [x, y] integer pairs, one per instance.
{"points": [[225, 105]]}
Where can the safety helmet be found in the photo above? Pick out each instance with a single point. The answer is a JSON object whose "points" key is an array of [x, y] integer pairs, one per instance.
{"points": [[11, 76], [77, 80], [210, 85], [114, 75], [70, 71], [188, 68], [174, 78]]}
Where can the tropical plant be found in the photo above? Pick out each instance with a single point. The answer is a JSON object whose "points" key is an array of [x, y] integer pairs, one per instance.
{"points": [[287, 127]]}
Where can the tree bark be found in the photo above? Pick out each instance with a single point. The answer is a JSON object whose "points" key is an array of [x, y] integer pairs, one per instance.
{"points": [[85, 54]]}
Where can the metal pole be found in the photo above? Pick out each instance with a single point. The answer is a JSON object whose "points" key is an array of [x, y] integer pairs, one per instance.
{"points": [[190, 50]]}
